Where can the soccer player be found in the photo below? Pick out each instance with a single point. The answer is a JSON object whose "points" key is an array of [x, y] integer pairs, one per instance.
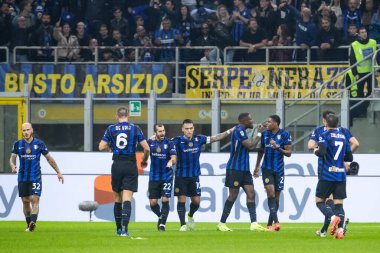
{"points": [[333, 149], [186, 182], [276, 143], [29, 150], [238, 172], [313, 142], [122, 139], [163, 156]]}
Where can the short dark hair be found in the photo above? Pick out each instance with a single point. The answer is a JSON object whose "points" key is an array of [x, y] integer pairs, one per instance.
{"points": [[122, 111], [242, 116], [187, 121], [327, 112], [332, 120], [362, 28], [158, 125], [276, 118]]}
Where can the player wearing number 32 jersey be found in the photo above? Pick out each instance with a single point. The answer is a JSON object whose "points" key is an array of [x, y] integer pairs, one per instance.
{"points": [[122, 139], [29, 151]]}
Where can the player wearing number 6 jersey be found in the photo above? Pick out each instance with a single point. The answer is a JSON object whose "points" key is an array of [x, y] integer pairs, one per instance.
{"points": [[122, 138], [162, 158], [29, 150]]}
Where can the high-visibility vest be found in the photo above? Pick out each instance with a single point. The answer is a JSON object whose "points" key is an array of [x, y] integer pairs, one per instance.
{"points": [[361, 51], [354, 88]]}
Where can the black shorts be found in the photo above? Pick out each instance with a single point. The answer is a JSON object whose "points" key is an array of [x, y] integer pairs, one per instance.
{"points": [[26, 189], [273, 177], [188, 186], [326, 188], [158, 189], [124, 175], [237, 179]]}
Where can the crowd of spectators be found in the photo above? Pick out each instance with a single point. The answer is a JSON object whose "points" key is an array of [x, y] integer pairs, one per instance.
{"points": [[151, 24]]}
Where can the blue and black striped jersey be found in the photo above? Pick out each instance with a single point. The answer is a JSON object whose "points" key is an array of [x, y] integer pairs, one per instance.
{"points": [[331, 166], [29, 156], [160, 153], [238, 26], [188, 153], [239, 155], [274, 159], [321, 129], [123, 138]]}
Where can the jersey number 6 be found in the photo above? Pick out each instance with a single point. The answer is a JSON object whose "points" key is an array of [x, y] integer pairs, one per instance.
{"points": [[121, 140]]}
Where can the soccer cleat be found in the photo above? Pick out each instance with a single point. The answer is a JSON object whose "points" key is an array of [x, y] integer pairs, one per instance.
{"points": [[32, 226], [277, 226], [334, 224], [161, 228], [124, 233], [27, 229], [159, 223], [345, 226], [191, 222], [319, 233], [183, 228], [339, 234], [257, 227], [222, 227]]}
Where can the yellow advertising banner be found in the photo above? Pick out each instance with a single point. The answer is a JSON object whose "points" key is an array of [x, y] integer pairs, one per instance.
{"points": [[263, 81]]}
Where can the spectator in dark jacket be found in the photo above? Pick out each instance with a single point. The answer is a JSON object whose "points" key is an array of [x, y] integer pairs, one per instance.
{"points": [[120, 23], [254, 38], [351, 15], [43, 37], [328, 38], [267, 18]]}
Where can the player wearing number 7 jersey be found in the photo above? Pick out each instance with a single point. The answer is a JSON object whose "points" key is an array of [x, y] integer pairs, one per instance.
{"points": [[122, 139], [29, 150]]}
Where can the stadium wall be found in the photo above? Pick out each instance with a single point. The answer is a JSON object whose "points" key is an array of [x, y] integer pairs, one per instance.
{"points": [[86, 178]]}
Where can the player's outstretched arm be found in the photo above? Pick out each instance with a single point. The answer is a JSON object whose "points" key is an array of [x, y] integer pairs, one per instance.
{"points": [[12, 163], [221, 136], [54, 165]]}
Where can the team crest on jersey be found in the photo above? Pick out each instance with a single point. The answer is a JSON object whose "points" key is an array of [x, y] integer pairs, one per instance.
{"points": [[191, 144], [278, 137], [158, 150], [35, 147], [176, 190], [28, 150], [242, 133], [236, 183], [196, 139], [266, 180], [165, 146]]}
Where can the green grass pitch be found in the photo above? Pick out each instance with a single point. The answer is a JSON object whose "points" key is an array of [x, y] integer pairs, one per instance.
{"points": [[67, 237]]}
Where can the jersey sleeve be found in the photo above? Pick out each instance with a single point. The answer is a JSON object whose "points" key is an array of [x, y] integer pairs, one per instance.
{"points": [[262, 142], [241, 135], [43, 148], [140, 135], [203, 139], [347, 134], [287, 139], [172, 148], [107, 136], [314, 135], [15, 148]]}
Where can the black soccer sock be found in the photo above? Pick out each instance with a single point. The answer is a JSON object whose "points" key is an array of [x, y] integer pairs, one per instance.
{"points": [[329, 204], [33, 217], [126, 214], [193, 209], [117, 214], [28, 219], [252, 211], [164, 212], [273, 209], [226, 210], [277, 203], [270, 220], [181, 209], [326, 210], [156, 210], [340, 212]]}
